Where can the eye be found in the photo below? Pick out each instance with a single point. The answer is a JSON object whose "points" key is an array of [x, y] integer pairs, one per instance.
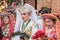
{"points": [[23, 14]]}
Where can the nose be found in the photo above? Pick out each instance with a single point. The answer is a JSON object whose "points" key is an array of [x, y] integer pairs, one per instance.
{"points": [[47, 23]]}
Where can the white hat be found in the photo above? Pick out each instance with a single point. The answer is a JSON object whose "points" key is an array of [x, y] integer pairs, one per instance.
{"points": [[24, 10], [30, 9], [27, 8]]}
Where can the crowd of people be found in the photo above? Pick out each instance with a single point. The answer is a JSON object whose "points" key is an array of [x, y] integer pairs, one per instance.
{"points": [[20, 21]]}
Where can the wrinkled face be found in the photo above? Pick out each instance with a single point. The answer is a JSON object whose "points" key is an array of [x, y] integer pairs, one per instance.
{"points": [[6, 19], [25, 16], [49, 22]]}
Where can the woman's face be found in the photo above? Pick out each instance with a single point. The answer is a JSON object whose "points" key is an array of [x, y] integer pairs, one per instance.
{"points": [[6, 19], [25, 16], [49, 22]]}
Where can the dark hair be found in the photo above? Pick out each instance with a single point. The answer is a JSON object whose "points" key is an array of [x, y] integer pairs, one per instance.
{"points": [[54, 21], [45, 10], [58, 17], [22, 37], [5, 16]]}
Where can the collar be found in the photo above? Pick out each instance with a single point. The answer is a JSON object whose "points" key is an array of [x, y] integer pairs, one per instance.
{"points": [[26, 21]]}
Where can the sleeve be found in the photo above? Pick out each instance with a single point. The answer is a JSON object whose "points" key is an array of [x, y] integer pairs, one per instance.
{"points": [[18, 20], [34, 29], [40, 24]]}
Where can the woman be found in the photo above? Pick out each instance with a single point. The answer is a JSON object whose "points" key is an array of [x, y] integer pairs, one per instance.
{"points": [[50, 26], [27, 26], [18, 14], [7, 27]]}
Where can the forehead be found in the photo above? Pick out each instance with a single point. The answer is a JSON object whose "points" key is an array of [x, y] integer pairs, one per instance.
{"points": [[24, 13], [48, 20], [5, 17]]}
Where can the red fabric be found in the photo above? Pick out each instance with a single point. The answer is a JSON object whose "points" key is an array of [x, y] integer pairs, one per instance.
{"points": [[10, 31], [51, 16], [53, 35], [38, 34], [4, 38], [58, 29]]}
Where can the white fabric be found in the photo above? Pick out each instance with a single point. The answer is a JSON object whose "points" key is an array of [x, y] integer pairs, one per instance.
{"points": [[31, 25], [34, 29], [19, 18], [17, 37], [33, 14], [40, 23], [48, 31]]}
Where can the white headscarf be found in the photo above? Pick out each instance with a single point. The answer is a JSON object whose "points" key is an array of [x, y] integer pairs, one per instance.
{"points": [[33, 14]]}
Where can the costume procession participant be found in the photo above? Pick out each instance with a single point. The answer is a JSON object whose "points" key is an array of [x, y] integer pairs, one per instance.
{"points": [[18, 14], [44, 10], [50, 26], [27, 26], [7, 27]]}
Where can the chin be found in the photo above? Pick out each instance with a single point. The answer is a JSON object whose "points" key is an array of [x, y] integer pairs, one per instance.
{"points": [[6, 23], [25, 20]]}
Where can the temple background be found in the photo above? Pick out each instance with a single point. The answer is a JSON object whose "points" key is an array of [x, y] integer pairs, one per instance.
{"points": [[54, 4], [38, 4]]}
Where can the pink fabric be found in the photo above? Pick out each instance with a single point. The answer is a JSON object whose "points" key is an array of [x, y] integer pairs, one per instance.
{"points": [[10, 31], [53, 35]]}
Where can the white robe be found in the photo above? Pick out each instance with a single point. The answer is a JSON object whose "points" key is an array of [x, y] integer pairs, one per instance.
{"points": [[19, 19], [30, 25], [40, 23]]}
